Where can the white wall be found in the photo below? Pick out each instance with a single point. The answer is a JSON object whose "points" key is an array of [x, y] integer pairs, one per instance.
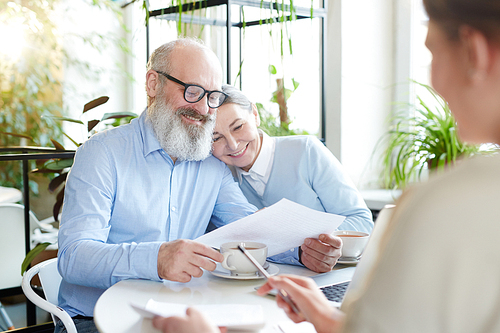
{"points": [[360, 75]]}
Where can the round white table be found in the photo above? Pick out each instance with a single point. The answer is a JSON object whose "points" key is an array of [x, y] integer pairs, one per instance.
{"points": [[114, 314]]}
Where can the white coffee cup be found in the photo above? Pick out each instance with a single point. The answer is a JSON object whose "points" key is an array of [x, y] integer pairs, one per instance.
{"points": [[236, 262], [353, 243]]}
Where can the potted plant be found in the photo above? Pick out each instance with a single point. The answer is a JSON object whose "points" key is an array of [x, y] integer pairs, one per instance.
{"points": [[61, 166], [425, 139]]}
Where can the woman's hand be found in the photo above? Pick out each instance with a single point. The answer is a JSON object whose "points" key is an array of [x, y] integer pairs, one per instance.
{"points": [[310, 301], [194, 321]]}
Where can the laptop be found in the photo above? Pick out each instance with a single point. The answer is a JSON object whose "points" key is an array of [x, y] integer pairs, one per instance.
{"points": [[350, 279]]}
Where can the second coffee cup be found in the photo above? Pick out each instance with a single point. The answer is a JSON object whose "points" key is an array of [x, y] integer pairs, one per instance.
{"points": [[353, 243], [237, 263]]}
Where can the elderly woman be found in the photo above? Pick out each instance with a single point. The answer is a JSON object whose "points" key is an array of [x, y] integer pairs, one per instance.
{"points": [[437, 270], [299, 168]]}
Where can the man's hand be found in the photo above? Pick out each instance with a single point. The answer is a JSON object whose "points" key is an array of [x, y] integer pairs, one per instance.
{"points": [[194, 321], [182, 259], [321, 255]]}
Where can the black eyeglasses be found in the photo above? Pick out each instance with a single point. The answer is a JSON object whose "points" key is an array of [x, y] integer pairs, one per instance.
{"points": [[194, 93]]}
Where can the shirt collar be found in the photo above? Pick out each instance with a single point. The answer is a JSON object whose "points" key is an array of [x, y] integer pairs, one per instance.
{"points": [[150, 143]]}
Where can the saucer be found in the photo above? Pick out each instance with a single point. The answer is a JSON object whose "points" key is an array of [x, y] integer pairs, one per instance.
{"points": [[348, 261], [221, 272]]}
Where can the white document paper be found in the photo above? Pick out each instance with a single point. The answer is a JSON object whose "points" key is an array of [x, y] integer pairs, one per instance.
{"points": [[282, 226], [235, 316]]}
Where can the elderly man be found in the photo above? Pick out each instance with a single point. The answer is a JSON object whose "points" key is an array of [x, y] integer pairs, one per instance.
{"points": [[137, 194]]}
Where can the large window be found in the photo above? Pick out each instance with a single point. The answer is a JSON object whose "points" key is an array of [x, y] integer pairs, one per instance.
{"points": [[261, 48]]}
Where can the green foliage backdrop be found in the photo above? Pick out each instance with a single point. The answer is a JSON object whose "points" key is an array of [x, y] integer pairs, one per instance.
{"points": [[30, 86]]}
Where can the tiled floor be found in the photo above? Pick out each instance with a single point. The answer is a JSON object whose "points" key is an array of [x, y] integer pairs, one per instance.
{"points": [[16, 310]]}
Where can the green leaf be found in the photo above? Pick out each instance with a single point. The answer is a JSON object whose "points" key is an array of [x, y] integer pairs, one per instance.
{"points": [[92, 124], [272, 69], [18, 135], [57, 145], [32, 254], [59, 164], [65, 119], [37, 170], [95, 103], [57, 206], [71, 139], [118, 115], [57, 181]]}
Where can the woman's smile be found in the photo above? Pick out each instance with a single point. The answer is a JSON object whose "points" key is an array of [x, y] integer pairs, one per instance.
{"points": [[240, 152]]}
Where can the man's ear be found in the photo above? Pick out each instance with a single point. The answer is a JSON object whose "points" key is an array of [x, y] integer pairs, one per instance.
{"points": [[255, 112], [479, 56], [152, 83]]}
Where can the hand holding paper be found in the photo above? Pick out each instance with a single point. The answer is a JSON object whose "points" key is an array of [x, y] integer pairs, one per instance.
{"points": [[282, 226]]}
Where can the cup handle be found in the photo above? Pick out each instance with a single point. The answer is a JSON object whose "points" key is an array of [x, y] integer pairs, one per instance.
{"points": [[224, 262]]}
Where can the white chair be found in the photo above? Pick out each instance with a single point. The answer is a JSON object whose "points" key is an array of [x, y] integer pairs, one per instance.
{"points": [[50, 281], [12, 241]]}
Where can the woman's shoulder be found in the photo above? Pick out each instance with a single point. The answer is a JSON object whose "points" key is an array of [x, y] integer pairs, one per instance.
{"points": [[474, 174], [298, 140], [467, 191]]}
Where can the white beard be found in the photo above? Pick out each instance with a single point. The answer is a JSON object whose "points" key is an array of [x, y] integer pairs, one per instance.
{"points": [[185, 142]]}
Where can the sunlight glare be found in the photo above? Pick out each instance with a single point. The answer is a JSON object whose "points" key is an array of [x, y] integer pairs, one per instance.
{"points": [[11, 41]]}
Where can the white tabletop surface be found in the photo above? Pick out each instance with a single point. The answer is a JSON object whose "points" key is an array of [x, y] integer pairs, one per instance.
{"points": [[113, 313]]}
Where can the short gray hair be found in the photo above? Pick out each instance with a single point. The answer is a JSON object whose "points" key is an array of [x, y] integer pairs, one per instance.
{"points": [[160, 59], [235, 96]]}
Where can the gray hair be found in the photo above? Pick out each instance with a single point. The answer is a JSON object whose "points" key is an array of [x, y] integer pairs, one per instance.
{"points": [[160, 59], [235, 96]]}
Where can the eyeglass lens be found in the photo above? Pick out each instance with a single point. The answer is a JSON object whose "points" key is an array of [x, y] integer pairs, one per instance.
{"points": [[193, 94]]}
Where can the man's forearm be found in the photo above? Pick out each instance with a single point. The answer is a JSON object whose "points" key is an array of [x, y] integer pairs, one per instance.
{"points": [[95, 264]]}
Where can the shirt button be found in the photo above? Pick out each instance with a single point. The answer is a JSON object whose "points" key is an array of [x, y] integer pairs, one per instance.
{"points": [[173, 209]]}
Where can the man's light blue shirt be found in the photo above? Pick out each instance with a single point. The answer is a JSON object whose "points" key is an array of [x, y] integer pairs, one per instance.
{"points": [[124, 197]]}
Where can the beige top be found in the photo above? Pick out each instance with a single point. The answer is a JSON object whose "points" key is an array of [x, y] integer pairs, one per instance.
{"points": [[439, 263]]}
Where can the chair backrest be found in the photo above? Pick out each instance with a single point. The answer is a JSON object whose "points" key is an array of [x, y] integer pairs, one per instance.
{"points": [[12, 244], [50, 281]]}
